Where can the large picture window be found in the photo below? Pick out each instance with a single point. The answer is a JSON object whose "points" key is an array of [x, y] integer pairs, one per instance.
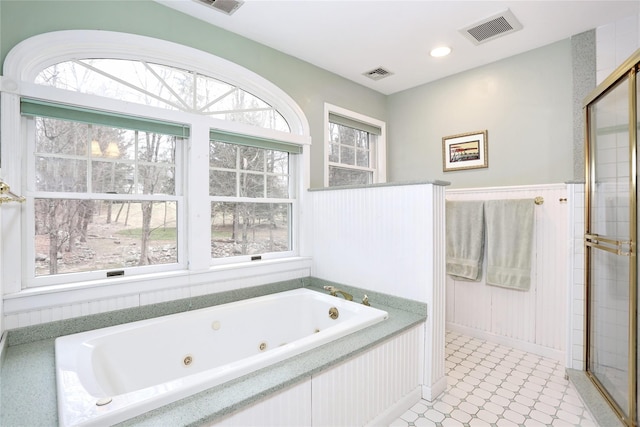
{"points": [[123, 172]]}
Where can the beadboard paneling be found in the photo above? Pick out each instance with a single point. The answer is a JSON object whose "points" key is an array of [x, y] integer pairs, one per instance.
{"points": [[288, 408], [378, 238], [355, 392], [537, 317]]}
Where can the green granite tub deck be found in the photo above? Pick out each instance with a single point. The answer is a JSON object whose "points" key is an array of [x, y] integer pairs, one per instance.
{"points": [[28, 394]]}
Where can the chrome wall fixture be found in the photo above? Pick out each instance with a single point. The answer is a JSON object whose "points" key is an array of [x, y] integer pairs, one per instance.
{"points": [[6, 195]]}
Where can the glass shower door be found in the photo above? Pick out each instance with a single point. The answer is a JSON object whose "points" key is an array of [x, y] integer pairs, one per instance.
{"points": [[611, 262]]}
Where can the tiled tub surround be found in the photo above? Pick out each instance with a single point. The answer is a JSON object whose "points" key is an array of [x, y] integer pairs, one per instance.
{"points": [[28, 376], [493, 385]]}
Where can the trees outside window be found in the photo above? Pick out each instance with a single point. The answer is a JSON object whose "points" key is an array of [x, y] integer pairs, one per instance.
{"points": [[250, 200], [105, 198]]}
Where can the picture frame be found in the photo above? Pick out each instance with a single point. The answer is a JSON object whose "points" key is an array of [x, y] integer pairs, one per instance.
{"points": [[465, 151]]}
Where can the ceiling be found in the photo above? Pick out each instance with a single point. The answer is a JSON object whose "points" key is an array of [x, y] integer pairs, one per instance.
{"points": [[351, 37]]}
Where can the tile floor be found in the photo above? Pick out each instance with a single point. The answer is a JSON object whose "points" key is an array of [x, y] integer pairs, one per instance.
{"points": [[493, 385]]}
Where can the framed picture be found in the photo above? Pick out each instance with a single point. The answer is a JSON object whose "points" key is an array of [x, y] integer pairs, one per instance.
{"points": [[465, 151]]}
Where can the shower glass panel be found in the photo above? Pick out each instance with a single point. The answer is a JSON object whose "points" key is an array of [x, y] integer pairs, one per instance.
{"points": [[609, 264]]}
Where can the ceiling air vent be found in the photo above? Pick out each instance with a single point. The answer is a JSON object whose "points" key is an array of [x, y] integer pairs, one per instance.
{"points": [[493, 27], [377, 74], [224, 6]]}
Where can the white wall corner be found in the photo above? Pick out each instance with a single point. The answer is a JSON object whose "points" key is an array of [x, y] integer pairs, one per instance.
{"points": [[434, 377], [571, 237], [575, 303], [430, 393]]}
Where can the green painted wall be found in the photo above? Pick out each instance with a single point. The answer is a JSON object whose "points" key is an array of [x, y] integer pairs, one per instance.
{"points": [[308, 85], [525, 103]]}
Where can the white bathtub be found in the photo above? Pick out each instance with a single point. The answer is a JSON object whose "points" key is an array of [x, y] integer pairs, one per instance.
{"points": [[112, 374]]}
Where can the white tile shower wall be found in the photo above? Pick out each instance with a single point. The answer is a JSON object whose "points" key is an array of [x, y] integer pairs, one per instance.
{"points": [[533, 320], [615, 42]]}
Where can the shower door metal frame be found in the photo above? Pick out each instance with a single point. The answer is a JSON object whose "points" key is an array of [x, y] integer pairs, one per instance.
{"points": [[629, 69]]}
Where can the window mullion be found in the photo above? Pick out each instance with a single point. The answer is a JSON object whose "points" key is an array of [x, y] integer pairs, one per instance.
{"points": [[198, 211], [136, 166], [166, 85], [238, 171], [89, 160], [264, 174], [194, 99]]}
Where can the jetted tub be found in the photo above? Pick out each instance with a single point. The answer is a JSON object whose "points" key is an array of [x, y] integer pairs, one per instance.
{"points": [[112, 374]]}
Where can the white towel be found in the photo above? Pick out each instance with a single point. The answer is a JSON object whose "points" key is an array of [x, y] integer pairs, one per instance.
{"points": [[465, 239], [509, 242]]}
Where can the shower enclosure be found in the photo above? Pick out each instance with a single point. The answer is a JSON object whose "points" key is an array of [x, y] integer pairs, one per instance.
{"points": [[610, 239]]}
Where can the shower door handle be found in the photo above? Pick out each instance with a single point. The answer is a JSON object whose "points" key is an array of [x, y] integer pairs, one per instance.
{"points": [[618, 247]]}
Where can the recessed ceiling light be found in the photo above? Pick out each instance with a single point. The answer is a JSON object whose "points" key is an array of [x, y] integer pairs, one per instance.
{"points": [[440, 51]]}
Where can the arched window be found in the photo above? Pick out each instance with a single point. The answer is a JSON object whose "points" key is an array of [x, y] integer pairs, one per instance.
{"points": [[139, 160], [163, 86]]}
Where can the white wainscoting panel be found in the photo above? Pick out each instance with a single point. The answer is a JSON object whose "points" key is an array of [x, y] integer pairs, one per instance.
{"points": [[377, 386], [534, 320], [377, 238], [358, 390], [287, 408], [389, 239]]}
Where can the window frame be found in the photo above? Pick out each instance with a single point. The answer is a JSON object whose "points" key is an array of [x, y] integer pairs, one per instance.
{"points": [[379, 167], [33, 280], [23, 64], [292, 200]]}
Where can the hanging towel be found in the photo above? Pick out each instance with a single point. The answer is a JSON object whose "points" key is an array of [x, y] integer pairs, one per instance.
{"points": [[465, 239], [509, 241]]}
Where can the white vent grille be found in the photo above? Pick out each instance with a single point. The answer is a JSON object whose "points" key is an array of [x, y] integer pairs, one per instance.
{"points": [[377, 74], [224, 6], [493, 27]]}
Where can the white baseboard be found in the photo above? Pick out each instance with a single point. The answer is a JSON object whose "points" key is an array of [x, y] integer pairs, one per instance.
{"points": [[431, 393], [400, 407], [550, 353]]}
